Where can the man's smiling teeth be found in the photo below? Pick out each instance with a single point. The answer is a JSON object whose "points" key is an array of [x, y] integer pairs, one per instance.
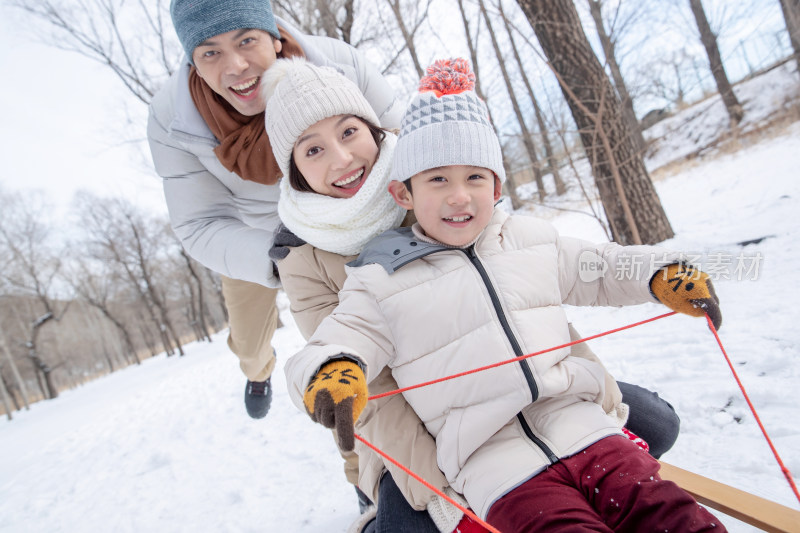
{"points": [[245, 88], [462, 218], [349, 180]]}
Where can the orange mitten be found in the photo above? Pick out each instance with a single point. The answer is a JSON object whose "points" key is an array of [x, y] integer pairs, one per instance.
{"points": [[687, 290], [335, 398]]}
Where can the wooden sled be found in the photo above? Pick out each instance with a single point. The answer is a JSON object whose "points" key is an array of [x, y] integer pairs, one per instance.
{"points": [[749, 508]]}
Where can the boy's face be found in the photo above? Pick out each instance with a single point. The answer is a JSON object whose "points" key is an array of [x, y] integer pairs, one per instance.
{"points": [[453, 204], [232, 64]]}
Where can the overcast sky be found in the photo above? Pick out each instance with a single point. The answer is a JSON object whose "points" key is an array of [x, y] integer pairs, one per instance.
{"points": [[64, 116], [59, 115]]}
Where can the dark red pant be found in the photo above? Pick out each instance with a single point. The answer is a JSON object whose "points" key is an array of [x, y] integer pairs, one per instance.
{"points": [[613, 485]]}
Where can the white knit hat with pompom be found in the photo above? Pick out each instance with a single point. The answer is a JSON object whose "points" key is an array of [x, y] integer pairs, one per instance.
{"points": [[299, 95]]}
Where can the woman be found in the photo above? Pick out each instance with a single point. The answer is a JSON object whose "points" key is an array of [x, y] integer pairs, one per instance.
{"points": [[334, 199]]}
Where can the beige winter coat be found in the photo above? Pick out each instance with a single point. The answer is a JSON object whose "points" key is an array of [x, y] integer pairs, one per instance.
{"points": [[312, 279], [439, 315]]}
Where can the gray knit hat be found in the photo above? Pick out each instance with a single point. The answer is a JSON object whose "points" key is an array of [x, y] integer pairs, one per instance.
{"points": [[446, 124], [198, 20], [300, 94]]}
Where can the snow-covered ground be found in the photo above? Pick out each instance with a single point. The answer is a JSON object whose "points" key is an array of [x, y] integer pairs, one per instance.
{"points": [[167, 446]]}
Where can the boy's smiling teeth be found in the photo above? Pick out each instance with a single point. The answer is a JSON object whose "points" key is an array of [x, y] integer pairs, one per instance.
{"points": [[349, 180], [462, 218], [245, 88]]}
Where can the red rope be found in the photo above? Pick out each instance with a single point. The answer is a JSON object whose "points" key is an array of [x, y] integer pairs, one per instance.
{"points": [[786, 473], [468, 512], [463, 509], [516, 359]]}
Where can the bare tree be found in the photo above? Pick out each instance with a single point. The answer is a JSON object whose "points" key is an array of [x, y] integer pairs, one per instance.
{"points": [[510, 185], [132, 38], [120, 234], [6, 397], [332, 18], [632, 207], [552, 161], [527, 140], [30, 265], [327, 18], [420, 13], [667, 78], [197, 309], [791, 14], [709, 40], [23, 389], [608, 43], [97, 287]]}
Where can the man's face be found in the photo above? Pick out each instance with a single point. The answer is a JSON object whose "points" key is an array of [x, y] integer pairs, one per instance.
{"points": [[453, 204], [232, 64]]}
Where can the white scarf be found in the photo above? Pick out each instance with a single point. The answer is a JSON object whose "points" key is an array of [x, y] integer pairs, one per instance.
{"points": [[344, 225]]}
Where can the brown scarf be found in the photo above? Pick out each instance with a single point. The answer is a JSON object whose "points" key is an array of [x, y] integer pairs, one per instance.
{"points": [[244, 146]]}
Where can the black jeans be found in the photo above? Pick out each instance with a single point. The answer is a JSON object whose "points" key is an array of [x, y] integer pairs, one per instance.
{"points": [[395, 515], [650, 417]]}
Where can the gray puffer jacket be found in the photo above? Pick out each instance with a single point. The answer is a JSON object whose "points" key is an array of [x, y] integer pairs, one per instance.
{"points": [[224, 221], [427, 311]]}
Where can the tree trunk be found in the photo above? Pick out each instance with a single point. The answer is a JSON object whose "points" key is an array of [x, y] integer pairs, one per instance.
{"points": [[346, 27], [510, 186], [147, 336], [527, 140], [709, 40], [596, 6], [201, 302], [14, 370], [44, 371], [791, 14], [93, 322], [165, 324], [6, 398], [561, 188], [327, 19], [49, 390], [216, 285], [123, 331], [407, 36], [632, 207]]}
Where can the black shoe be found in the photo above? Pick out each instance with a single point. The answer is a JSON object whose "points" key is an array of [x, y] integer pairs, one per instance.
{"points": [[257, 398], [364, 503]]}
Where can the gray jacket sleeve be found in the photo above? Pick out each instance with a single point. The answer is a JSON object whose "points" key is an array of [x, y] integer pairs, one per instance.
{"points": [[202, 209]]}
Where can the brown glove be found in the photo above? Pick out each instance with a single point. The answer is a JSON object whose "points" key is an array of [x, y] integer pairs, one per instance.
{"points": [[335, 398], [687, 290]]}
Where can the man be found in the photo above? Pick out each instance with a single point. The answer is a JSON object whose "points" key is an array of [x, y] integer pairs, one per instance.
{"points": [[207, 139]]}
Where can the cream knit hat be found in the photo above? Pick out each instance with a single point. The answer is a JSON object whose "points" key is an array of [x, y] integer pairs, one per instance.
{"points": [[299, 95], [446, 124]]}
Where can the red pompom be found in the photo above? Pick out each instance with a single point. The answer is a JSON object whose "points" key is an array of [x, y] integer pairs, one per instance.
{"points": [[448, 76]]}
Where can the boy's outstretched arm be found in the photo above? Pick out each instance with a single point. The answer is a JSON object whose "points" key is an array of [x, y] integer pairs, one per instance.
{"points": [[687, 290], [335, 397]]}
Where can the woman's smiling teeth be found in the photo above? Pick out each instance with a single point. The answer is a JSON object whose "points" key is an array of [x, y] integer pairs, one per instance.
{"points": [[350, 179], [246, 88], [462, 218]]}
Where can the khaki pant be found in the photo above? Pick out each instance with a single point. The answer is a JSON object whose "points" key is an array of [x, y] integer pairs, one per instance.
{"points": [[253, 319]]}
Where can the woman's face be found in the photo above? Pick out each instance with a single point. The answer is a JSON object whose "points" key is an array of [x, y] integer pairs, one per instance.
{"points": [[336, 155]]}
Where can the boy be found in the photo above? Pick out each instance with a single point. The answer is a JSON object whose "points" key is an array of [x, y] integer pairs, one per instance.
{"points": [[527, 444]]}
